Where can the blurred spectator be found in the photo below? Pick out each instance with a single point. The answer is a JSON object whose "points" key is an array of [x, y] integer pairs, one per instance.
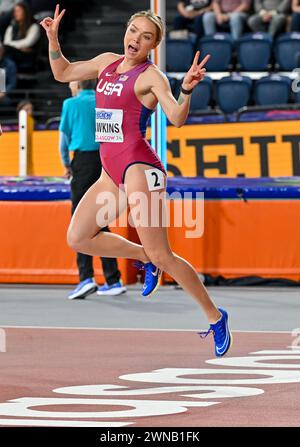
{"points": [[6, 7], [295, 23], [10, 77], [191, 15], [270, 16], [227, 15], [77, 134], [22, 36]]}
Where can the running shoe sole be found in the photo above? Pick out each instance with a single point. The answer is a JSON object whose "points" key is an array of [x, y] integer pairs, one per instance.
{"points": [[229, 347], [113, 292], [83, 294]]}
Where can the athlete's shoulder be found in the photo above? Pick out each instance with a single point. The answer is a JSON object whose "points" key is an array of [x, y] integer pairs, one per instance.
{"points": [[154, 70], [155, 74], [110, 55], [106, 59]]}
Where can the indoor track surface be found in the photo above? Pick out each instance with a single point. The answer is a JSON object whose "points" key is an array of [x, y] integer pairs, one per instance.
{"points": [[133, 361]]}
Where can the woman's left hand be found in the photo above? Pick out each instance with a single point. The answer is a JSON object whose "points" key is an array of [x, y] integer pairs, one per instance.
{"points": [[196, 73]]}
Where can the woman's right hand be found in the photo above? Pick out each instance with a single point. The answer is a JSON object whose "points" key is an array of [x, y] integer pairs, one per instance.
{"points": [[51, 25]]}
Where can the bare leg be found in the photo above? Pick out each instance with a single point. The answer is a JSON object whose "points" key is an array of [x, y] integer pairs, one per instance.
{"points": [[83, 233], [156, 244]]}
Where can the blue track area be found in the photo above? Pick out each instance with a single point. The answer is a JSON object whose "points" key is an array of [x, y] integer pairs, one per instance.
{"points": [[57, 188], [34, 188], [238, 188]]}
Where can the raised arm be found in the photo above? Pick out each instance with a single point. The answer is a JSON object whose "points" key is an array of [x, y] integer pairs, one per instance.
{"points": [[177, 111], [62, 69]]}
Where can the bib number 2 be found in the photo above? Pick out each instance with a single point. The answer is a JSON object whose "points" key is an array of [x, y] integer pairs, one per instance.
{"points": [[155, 179]]}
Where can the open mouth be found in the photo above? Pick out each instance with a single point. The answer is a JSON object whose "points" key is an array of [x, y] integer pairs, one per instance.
{"points": [[132, 49]]}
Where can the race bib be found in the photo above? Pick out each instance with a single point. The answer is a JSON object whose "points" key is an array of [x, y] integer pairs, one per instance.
{"points": [[155, 179], [109, 125]]}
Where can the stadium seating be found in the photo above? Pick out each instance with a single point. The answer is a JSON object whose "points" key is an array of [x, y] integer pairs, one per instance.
{"points": [[273, 89], [201, 95], [179, 55], [219, 46], [254, 51], [297, 97], [233, 92], [286, 48], [295, 87]]}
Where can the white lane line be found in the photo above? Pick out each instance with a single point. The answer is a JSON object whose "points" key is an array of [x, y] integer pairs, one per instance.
{"points": [[134, 329]]}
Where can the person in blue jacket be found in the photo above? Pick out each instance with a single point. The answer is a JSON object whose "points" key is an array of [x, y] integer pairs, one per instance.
{"points": [[77, 134]]}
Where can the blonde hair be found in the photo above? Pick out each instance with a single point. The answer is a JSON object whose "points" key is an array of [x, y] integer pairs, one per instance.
{"points": [[154, 18]]}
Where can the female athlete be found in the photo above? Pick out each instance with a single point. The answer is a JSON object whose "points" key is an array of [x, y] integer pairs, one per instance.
{"points": [[128, 90]]}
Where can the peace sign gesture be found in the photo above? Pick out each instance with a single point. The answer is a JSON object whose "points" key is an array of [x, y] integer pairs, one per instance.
{"points": [[51, 25], [196, 73]]}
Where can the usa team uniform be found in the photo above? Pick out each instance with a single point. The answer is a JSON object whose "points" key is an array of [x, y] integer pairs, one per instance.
{"points": [[121, 122]]}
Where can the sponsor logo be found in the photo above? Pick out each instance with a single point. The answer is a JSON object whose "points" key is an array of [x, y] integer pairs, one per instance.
{"points": [[156, 272], [103, 115]]}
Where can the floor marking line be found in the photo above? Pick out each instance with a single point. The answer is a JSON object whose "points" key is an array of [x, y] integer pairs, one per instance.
{"points": [[135, 329]]}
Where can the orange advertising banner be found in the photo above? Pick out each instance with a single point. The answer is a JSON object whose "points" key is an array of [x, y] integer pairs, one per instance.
{"points": [[262, 149], [208, 150]]}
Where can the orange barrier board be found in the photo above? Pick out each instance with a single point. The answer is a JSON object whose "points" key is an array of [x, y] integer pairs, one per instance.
{"points": [[257, 237], [33, 247]]}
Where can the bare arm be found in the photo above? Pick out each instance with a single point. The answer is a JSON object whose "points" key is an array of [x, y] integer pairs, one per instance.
{"points": [[216, 8], [181, 9], [177, 112], [295, 6], [191, 14], [65, 71], [221, 17], [62, 69], [244, 7]]}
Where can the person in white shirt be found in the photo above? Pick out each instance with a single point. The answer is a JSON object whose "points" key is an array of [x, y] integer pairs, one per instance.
{"points": [[22, 36], [6, 7]]}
